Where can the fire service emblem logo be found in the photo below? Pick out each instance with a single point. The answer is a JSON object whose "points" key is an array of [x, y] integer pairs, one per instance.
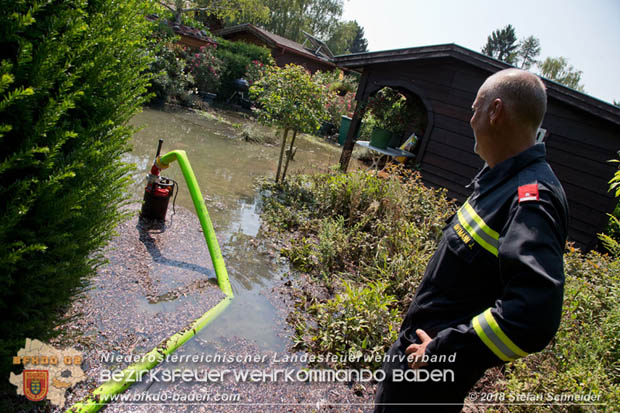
{"points": [[35, 384]]}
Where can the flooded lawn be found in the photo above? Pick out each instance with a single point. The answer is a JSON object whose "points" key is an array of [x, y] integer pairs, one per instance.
{"points": [[227, 168], [160, 278]]}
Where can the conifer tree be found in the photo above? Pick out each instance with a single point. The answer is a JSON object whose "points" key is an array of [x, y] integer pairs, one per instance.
{"points": [[71, 75], [502, 45]]}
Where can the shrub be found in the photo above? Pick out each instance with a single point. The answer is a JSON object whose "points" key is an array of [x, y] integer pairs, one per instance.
{"points": [[363, 230], [205, 68], [611, 236], [255, 71], [71, 75], [340, 95], [359, 323], [584, 356], [397, 113], [171, 80], [236, 58], [339, 106]]}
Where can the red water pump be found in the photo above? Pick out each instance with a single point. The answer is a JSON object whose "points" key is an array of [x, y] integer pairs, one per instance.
{"points": [[157, 193]]}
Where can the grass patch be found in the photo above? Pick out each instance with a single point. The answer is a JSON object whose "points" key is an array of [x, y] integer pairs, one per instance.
{"points": [[251, 132]]}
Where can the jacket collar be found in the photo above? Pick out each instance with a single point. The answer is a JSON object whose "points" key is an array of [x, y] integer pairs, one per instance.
{"points": [[489, 178]]}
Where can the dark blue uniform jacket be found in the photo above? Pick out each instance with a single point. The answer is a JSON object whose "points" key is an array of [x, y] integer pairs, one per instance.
{"points": [[493, 290]]}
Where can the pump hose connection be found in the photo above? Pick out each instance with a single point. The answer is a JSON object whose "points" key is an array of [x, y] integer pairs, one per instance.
{"points": [[104, 393]]}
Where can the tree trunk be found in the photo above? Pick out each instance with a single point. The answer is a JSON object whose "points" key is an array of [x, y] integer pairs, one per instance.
{"points": [[289, 155], [281, 154]]}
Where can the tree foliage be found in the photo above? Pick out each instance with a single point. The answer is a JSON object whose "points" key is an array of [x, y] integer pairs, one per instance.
{"points": [[215, 14], [348, 37], [225, 10], [360, 44], [558, 69], [529, 49], [71, 75], [289, 99], [342, 38], [502, 45], [291, 18]]}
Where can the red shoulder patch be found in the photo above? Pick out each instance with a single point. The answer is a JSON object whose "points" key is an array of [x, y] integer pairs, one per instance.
{"points": [[528, 193]]}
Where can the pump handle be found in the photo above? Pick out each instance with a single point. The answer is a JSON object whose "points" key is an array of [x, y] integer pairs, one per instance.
{"points": [[161, 141]]}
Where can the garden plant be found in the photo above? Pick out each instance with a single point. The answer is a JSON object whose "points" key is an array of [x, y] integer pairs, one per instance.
{"points": [[365, 240], [290, 99]]}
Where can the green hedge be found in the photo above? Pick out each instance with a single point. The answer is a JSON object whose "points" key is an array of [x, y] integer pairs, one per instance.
{"points": [[236, 57], [70, 78]]}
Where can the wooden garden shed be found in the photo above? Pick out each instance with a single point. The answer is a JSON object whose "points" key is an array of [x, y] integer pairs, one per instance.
{"points": [[283, 50], [582, 133]]}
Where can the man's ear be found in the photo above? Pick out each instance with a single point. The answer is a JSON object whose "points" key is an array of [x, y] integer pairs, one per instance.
{"points": [[496, 111]]}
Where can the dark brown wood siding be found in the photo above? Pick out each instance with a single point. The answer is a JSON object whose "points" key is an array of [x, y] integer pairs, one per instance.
{"points": [[193, 42], [283, 57], [448, 156], [579, 144]]}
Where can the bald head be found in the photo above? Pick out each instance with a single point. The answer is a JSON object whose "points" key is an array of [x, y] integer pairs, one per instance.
{"points": [[523, 94]]}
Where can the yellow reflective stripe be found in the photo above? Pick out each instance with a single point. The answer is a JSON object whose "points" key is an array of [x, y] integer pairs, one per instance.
{"points": [[487, 341], [493, 234], [492, 249], [488, 330], [503, 337]]}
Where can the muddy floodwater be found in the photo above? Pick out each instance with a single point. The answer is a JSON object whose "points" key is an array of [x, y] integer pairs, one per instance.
{"points": [[160, 278], [227, 168]]}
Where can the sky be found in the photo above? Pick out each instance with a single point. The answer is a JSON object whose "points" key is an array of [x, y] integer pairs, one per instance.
{"points": [[586, 32]]}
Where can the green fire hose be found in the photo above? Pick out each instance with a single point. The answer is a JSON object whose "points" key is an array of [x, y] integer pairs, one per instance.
{"points": [[104, 393], [203, 215]]}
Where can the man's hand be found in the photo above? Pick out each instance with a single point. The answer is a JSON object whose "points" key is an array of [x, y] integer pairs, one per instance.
{"points": [[416, 351]]}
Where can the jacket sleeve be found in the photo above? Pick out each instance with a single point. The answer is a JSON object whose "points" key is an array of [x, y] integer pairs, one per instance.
{"points": [[527, 315]]}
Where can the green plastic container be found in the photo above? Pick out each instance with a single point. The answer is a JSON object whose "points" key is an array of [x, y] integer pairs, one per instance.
{"points": [[379, 138], [344, 130]]}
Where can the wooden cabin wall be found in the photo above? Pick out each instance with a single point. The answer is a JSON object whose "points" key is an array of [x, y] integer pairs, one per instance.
{"points": [[446, 157], [578, 144], [578, 148]]}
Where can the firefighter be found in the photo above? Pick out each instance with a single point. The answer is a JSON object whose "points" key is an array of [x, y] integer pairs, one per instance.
{"points": [[493, 291]]}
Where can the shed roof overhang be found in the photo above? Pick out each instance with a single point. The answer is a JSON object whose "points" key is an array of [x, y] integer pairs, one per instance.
{"points": [[359, 61]]}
